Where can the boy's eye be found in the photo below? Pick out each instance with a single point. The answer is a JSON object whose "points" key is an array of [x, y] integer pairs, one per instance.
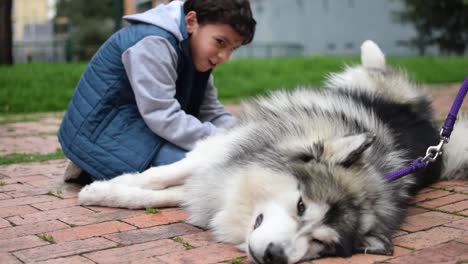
{"points": [[220, 42]]}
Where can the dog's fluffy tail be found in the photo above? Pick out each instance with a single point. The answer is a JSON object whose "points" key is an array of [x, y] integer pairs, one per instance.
{"points": [[455, 153], [372, 56]]}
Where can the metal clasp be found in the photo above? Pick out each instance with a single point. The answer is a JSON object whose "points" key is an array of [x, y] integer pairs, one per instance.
{"points": [[433, 152], [444, 138]]}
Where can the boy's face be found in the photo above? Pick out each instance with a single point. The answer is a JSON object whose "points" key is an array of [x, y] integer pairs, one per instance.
{"points": [[211, 44]]}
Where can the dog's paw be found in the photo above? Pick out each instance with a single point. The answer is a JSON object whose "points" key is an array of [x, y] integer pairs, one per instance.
{"points": [[94, 193]]}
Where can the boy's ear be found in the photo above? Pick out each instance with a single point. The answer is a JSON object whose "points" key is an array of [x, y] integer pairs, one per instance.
{"points": [[191, 21]]}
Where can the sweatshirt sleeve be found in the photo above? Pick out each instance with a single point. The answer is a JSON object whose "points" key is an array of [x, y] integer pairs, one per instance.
{"points": [[212, 110], [151, 67]]}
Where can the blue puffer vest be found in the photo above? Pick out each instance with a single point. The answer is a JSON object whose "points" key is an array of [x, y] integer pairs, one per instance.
{"points": [[102, 131]]}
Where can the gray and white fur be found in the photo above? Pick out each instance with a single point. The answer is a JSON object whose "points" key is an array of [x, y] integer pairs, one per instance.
{"points": [[301, 175]]}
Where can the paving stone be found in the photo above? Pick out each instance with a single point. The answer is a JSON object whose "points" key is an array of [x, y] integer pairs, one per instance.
{"points": [[136, 252], [461, 189], [426, 190], [55, 187], [455, 207], [42, 216], [416, 211], [152, 233], [463, 240], [362, 258], [461, 224], [449, 199], [103, 209], [399, 233], [150, 261], [429, 238], [49, 168], [67, 260], [15, 187], [25, 179], [199, 239], [31, 229], [56, 204], [4, 223], [18, 243], [430, 195], [94, 218], [29, 144], [427, 220], [161, 218], [64, 249], [210, 254], [465, 212], [449, 253], [450, 183], [7, 258], [47, 125], [17, 210], [26, 200], [82, 232], [4, 196]]}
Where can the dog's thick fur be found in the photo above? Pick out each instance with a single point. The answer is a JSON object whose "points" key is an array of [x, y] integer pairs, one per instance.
{"points": [[302, 174]]}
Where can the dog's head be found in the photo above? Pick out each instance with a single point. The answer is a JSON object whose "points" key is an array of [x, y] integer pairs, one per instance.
{"points": [[324, 208]]}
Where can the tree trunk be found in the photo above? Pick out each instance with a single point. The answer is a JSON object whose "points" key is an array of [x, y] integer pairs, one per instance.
{"points": [[6, 35]]}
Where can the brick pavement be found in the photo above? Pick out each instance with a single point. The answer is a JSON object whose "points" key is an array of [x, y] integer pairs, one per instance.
{"points": [[41, 221]]}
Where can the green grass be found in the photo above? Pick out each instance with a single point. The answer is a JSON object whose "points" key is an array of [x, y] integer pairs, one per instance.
{"points": [[27, 88], [56, 193], [151, 211], [47, 238], [25, 157], [184, 243], [237, 260]]}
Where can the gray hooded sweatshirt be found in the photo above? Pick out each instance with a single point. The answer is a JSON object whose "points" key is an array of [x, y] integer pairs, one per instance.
{"points": [[151, 66]]}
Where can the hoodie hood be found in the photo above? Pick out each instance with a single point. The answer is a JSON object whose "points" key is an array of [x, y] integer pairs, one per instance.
{"points": [[169, 17]]}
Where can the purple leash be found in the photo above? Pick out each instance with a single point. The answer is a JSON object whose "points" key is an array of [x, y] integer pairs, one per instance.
{"points": [[433, 152]]}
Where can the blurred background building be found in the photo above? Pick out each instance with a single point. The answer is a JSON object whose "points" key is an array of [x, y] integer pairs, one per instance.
{"points": [[137, 6], [338, 27], [33, 32], [44, 31]]}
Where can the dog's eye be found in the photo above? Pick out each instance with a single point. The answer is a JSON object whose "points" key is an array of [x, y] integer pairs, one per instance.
{"points": [[320, 242], [258, 221], [305, 157], [300, 207]]}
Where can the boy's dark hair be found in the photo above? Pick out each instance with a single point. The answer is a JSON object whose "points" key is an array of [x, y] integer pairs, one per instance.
{"points": [[236, 13]]}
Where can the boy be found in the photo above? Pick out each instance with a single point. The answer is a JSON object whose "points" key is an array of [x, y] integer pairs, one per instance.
{"points": [[147, 95]]}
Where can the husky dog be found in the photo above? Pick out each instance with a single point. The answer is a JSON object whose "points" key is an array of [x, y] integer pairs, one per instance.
{"points": [[302, 174]]}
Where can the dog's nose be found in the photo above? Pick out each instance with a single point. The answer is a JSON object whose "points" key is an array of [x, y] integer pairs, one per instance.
{"points": [[274, 254]]}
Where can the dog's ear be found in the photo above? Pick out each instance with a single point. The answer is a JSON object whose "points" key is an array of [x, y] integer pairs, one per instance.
{"points": [[347, 150]]}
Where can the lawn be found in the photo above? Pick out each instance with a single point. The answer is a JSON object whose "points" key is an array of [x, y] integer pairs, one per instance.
{"points": [[27, 88]]}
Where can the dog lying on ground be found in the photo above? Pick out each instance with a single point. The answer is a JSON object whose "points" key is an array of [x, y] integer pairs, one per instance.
{"points": [[301, 175]]}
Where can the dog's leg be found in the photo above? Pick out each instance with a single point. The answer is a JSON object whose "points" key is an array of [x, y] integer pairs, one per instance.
{"points": [[131, 197], [157, 178]]}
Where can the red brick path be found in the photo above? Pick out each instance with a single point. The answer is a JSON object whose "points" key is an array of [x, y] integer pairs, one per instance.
{"points": [[41, 221]]}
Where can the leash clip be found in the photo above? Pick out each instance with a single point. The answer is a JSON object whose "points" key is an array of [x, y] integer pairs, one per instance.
{"points": [[433, 152], [442, 137]]}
